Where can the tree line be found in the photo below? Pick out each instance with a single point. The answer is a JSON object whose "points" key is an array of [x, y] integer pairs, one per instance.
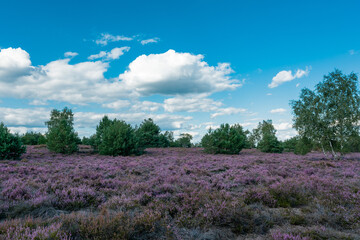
{"points": [[327, 120]]}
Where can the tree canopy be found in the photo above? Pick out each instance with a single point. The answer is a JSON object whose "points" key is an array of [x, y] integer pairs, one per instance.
{"points": [[329, 115]]}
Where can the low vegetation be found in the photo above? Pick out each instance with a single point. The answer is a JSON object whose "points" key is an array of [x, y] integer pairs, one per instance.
{"points": [[173, 193]]}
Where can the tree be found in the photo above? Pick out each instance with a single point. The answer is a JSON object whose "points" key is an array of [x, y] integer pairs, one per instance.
{"points": [[226, 140], [10, 145], [329, 115], [266, 139], [184, 140], [149, 133], [116, 137], [33, 138], [61, 136]]}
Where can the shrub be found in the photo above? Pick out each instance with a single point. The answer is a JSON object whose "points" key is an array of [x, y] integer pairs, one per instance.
{"points": [[183, 141], [33, 138], [10, 145], [149, 134], [61, 136], [116, 137], [226, 139], [266, 139]]}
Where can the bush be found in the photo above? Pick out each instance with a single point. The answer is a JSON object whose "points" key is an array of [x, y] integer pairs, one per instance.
{"points": [[10, 145], [266, 139], [33, 138], [150, 135], [61, 136], [226, 140], [183, 141], [116, 137]]}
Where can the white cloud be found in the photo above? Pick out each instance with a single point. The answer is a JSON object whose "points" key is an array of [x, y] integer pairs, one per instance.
{"points": [[287, 76], [70, 54], [38, 102], [191, 104], [106, 38], [228, 111], [278, 110], [173, 73], [151, 40], [283, 126], [14, 63], [269, 94], [80, 83], [298, 84], [146, 106], [34, 117], [117, 104], [112, 55]]}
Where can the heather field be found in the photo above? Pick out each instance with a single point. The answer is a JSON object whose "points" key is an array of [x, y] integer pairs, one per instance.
{"points": [[178, 193]]}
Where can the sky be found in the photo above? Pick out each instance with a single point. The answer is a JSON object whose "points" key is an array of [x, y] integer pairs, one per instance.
{"points": [[188, 65]]}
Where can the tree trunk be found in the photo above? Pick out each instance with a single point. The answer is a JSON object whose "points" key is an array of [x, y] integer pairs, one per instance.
{"points": [[332, 151]]}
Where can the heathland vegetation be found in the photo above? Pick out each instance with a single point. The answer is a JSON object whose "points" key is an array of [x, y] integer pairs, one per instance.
{"points": [[141, 183]]}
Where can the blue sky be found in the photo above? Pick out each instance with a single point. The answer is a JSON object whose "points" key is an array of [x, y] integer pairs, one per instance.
{"points": [[188, 65]]}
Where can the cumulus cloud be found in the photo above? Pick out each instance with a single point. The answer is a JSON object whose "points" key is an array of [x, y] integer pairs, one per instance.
{"points": [[173, 73], [106, 38], [112, 55], [278, 110], [287, 76], [228, 111], [35, 117], [146, 106], [14, 63], [170, 73], [283, 126], [117, 104], [191, 104], [151, 40], [80, 83], [70, 54]]}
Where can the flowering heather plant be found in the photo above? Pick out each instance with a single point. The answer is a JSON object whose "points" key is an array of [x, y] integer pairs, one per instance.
{"points": [[179, 193]]}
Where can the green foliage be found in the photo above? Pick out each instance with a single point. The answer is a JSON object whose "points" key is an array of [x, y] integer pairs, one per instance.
{"points": [[116, 137], [150, 136], [329, 115], [33, 138], [226, 140], [10, 145], [266, 139], [89, 140], [298, 145], [61, 136], [183, 141]]}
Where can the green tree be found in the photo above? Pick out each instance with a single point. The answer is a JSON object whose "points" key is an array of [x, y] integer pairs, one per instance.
{"points": [[33, 138], [10, 145], [226, 140], [184, 140], [266, 139], [61, 136], [149, 133], [116, 137], [329, 115]]}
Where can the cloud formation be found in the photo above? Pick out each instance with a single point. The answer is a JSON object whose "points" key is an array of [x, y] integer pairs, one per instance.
{"points": [[228, 111], [14, 62], [173, 73], [287, 76], [106, 38], [191, 104], [151, 40], [115, 53], [278, 110], [70, 54]]}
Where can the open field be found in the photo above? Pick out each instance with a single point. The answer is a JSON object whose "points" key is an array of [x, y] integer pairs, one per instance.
{"points": [[179, 194]]}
